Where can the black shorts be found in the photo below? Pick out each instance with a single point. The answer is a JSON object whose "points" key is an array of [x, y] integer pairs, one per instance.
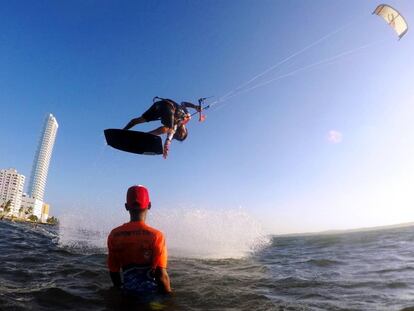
{"points": [[160, 110]]}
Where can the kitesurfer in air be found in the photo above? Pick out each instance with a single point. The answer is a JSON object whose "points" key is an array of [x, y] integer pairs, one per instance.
{"points": [[137, 253], [173, 116]]}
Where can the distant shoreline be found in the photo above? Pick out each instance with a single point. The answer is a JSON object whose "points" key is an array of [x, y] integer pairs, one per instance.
{"points": [[342, 231], [20, 220]]}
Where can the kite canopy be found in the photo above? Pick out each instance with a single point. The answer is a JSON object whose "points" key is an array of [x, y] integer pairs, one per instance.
{"points": [[393, 18]]}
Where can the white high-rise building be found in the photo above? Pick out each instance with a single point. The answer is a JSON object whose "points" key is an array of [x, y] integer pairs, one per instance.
{"points": [[35, 204], [42, 158], [11, 188]]}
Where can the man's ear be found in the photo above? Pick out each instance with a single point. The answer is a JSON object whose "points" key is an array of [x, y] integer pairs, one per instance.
{"points": [[126, 207], [149, 205]]}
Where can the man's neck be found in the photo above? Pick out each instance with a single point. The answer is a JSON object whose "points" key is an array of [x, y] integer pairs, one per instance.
{"points": [[137, 216]]}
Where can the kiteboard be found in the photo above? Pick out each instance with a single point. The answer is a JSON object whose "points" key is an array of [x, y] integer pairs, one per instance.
{"points": [[133, 141]]}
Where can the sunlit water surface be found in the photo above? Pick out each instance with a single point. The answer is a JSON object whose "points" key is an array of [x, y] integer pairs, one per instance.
{"points": [[225, 264]]}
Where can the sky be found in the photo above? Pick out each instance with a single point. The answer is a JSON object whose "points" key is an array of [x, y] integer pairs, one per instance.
{"points": [[330, 146]]}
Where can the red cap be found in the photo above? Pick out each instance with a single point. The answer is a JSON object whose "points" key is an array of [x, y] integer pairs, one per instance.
{"points": [[138, 197]]}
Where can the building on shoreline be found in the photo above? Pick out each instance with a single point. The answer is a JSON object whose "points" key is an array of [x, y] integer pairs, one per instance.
{"points": [[11, 189], [45, 213], [42, 158], [33, 205]]}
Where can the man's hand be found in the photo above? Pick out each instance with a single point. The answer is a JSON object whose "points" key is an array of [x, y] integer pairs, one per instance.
{"points": [[186, 119], [166, 148]]}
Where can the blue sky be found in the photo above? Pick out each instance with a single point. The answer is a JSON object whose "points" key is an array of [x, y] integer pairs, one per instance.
{"points": [[97, 64]]}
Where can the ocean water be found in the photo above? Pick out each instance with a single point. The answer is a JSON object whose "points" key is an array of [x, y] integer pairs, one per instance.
{"points": [[47, 268]]}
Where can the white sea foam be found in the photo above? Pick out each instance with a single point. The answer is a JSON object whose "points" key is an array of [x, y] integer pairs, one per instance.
{"points": [[190, 232], [210, 233]]}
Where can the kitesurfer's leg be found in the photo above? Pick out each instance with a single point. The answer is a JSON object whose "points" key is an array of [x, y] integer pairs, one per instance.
{"points": [[159, 131], [134, 122], [152, 114]]}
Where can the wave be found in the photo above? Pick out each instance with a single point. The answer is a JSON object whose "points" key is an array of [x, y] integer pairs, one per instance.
{"points": [[192, 233]]}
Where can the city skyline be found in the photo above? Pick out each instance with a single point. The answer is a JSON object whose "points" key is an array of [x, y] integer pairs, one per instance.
{"points": [[12, 182]]}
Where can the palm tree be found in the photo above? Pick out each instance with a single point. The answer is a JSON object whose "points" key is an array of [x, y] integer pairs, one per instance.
{"points": [[7, 206], [33, 218], [52, 220], [27, 211], [21, 210]]}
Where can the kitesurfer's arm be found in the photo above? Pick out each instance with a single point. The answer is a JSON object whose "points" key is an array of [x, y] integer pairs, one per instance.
{"points": [[168, 140], [191, 105], [170, 134], [134, 122], [116, 279], [166, 149], [163, 280]]}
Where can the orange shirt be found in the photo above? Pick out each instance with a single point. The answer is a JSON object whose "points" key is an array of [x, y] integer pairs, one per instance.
{"points": [[135, 243]]}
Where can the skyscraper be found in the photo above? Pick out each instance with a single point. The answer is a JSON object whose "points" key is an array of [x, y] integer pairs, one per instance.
{"points": [[42, 158], [11, 189]]}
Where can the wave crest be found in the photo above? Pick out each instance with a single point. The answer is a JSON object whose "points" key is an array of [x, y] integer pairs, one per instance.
{"points": [[193, 233]]}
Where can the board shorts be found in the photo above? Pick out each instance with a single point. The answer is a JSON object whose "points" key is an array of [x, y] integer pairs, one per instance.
{"points": [[138, 280], [160, 110]]}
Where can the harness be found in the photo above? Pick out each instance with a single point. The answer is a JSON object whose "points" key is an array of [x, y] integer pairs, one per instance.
{"points": [[181, 114]]}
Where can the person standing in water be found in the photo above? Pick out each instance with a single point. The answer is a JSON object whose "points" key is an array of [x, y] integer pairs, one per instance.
{"points": [[173, 116], [137, 253]]}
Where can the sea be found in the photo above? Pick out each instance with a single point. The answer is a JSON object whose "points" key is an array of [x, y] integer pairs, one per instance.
{"points": [[224, 264]]}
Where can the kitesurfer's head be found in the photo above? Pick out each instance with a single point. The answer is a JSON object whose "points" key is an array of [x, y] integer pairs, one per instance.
{"points": [[181, 133], [137, 199]]}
